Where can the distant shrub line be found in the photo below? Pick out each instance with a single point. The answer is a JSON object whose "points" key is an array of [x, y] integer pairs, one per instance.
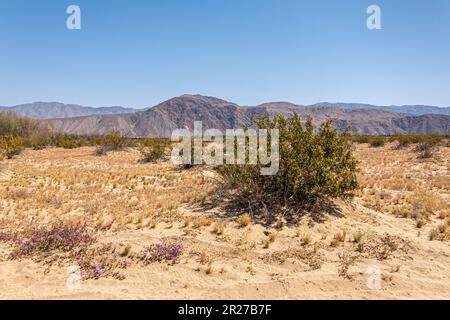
{"points": [[403, 140], [18, 133]]}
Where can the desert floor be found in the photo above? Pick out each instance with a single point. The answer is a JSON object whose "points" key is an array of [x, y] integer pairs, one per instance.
{"points": [[402, 200]]}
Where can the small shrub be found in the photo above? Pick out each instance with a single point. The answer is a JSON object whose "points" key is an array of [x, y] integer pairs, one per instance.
{"points": [[101, 150], [377, 142], [426, 150], [154, 151], [161, 252], [346, 260], [14, 125], [113, 141], [69, 142], [10, 146]]}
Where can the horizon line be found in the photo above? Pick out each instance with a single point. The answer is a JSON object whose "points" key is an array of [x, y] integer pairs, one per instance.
{"points": [[241, 105]]}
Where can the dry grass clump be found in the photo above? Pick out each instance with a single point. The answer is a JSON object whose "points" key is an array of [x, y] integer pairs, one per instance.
{"points": [[305, 237], [338, 238], [209, 269], [442, 232], [271, 236], [425, 204], [244, 220], [309, 256], [219, 228], [199, 222], [421, 223]]}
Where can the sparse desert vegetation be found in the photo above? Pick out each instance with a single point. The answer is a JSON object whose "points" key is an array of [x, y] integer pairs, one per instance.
{"points": [[149, 229]]}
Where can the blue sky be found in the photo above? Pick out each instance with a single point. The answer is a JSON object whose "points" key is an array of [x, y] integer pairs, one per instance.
{"points": [[141, 52]]}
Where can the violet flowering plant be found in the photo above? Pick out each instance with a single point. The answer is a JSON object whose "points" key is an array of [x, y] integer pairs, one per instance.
{"points": [[61, 243], [100, 262], [161, 252], [45, 241]]}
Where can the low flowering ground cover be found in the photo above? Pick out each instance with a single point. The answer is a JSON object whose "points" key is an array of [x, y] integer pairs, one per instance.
{"points": [[161, 252], [77, 244], [45, 241]]}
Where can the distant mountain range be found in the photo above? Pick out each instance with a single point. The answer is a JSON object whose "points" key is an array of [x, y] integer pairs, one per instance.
{"points": [[415, 109], [181, 112], [51, 110], [55, 110]]}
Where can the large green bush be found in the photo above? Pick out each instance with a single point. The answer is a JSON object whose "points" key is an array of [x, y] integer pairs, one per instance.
{"points": [[11, 124], [314, 164]]}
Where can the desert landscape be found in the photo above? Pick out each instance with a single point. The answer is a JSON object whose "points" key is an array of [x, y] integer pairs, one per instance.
{"points": [[218, 158], [397, 222]]}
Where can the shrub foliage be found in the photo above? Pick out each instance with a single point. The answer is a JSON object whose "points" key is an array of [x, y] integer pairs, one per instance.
{"points": [[313, 165], [153, 150]]}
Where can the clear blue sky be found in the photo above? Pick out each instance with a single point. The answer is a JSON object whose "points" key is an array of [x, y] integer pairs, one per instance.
{"points": [[141, 52]]}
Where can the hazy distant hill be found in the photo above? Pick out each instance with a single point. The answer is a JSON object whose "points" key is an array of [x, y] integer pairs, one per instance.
{"points": [[181, 112], [415, 110], [51, 110]]}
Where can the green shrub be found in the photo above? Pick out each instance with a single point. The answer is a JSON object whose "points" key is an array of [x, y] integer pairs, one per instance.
{"points": [[312, 166], [359, 139], [31, 132], [376, 142], [10, 146], [38, 143], [114, 141], [69, 142], [13, 125], [154, 151], [406, 140]]}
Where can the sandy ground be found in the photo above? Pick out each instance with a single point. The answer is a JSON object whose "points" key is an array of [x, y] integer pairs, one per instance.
{"points": [[135, 204]]}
